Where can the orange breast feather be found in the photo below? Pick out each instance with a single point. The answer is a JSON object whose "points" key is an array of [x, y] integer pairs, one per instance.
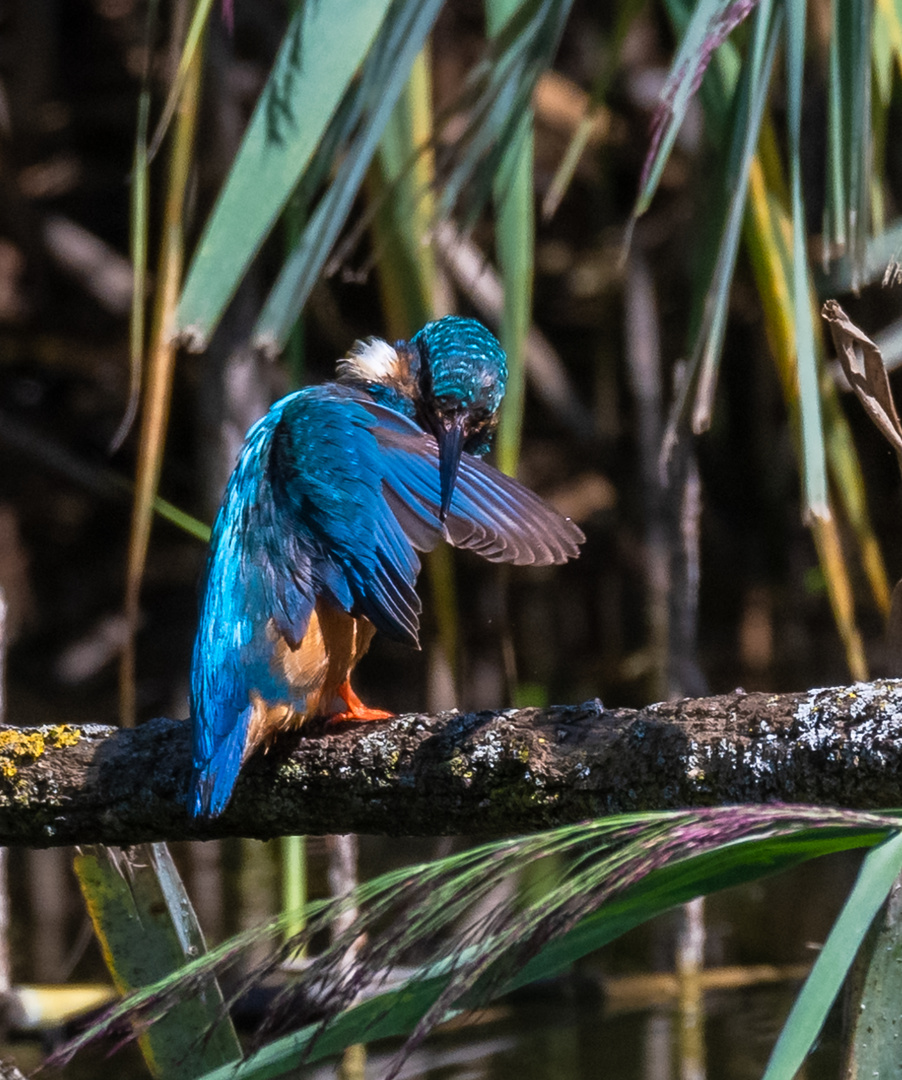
{"points": [[317, 669]]}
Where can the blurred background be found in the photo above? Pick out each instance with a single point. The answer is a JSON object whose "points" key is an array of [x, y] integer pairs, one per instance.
{"points": [[707, 582]]}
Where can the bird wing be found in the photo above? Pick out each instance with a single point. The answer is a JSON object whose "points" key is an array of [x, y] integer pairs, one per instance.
{"points": [[326, 472], [491, 514], [242, 590]]}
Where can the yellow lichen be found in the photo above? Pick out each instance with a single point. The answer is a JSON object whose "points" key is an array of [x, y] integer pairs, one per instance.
{"points": [[459, 767], [64, 735], [16, 744]]}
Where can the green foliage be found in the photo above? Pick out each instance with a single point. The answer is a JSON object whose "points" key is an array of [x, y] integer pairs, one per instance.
{"points": [[616, 873], [878, 873], [515, 243], [874, 992], [147, 929], [322, 50], [369, 105]]}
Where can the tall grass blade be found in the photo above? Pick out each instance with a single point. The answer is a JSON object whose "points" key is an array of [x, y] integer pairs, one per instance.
{"points": [[837, 196], [138, 234], [182, 520], [515, 234], [751, 94], [874, 991], [814, 470], [323, 49], [294, 220], [294, 883], [194, 39], [401, 181], [500, 91], [293, 849], [160, 373], [880, 869], [401, 185], [384, 77], [147, 930], [709, 25], [828, 542], [768, 238], [881, 252], [849, 134]]}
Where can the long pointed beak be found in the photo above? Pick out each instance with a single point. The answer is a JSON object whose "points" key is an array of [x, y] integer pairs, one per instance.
{"points": [[450, 447]]}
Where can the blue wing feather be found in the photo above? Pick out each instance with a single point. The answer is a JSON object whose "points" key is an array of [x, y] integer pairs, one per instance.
{"points": [[243, 589], [326, 472], [491, 514]]}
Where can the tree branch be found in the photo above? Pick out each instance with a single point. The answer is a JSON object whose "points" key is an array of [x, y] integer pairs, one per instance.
{"points": [[475, 773]]}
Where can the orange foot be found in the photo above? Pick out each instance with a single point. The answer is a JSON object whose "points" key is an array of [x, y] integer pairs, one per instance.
{"points": [[356, 711]]}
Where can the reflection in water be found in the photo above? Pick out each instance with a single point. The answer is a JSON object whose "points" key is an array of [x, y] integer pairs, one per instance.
{"points": [[657, 1057], [690, 962], [585, 1039], [567, 1032]]}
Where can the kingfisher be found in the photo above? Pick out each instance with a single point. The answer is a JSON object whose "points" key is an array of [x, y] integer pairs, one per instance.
{"points": [[315, 545]]}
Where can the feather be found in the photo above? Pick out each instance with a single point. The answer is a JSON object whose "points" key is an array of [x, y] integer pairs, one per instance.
{"points": [[491, 514]]}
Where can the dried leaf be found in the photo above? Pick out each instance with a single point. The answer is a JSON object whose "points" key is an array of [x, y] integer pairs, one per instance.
{"points": [[863, 366]]}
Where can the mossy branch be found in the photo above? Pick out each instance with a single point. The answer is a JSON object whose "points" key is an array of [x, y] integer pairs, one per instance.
{"points": [[471, 773]]}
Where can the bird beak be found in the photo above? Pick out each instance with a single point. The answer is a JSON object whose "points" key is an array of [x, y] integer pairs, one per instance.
{"points": [[451, 439]]}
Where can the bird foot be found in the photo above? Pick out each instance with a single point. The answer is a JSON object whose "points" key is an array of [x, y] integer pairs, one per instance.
{"points": [[356, 710]]}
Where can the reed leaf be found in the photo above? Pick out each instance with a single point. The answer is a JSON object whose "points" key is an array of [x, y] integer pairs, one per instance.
{"points": [[768, 238], [781, 271], [188, 58], [618, 872], [883, 252], [879, 871], [814, 472], [139, 224], [322, 51], [401, 187], [751, 98], [382, 81], [147, 930], [849, 134], [161, 369], [515, 235], [498, 93], [708, 26]]}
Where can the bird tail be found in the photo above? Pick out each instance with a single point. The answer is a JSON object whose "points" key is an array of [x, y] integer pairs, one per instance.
{"points": [[214, 777]]}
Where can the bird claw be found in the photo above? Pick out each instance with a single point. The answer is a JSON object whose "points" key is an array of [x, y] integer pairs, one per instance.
{"points": [[360, 715], [356, 711]]}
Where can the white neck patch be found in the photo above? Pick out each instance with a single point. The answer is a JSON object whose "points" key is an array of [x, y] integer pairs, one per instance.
{"points": [[373, 360]]}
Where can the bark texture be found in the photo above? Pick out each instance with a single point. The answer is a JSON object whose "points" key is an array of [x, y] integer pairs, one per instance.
{"points": [[474, 773]]}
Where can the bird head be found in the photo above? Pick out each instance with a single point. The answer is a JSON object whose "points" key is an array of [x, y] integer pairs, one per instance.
{"points": [[450, 377], [463, 374]]}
